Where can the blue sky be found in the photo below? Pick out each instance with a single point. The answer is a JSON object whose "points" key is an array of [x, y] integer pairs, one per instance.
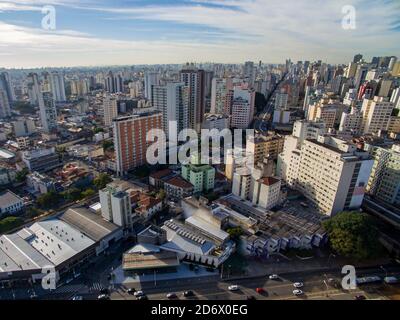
{"points": [[103, 32]]}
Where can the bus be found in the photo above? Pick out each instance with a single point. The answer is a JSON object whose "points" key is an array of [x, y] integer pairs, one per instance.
{"points": [[370, 279]]}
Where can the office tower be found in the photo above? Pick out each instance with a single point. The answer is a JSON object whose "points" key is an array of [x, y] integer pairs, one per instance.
{"points": [[218, 95], [384, 182], [5, 110], [392, 63], [360, 76], [110, 108], [80, 87], [249, 72], [172, 101], [194, 79], [57, 86], [208, 77], [384, 88], [242, 110], [376, 115], [34, 90], [48, 112], [5, 84], [351, 122], [357, 58], [130, 139], [150, 79], [114, 83]]}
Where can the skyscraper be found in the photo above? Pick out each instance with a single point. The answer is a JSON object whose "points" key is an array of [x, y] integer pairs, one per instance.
{"points": [[249, 72], [114, 83], [150, 79], [48, 112], [376, 114], [218, 95], [5, 110], [110, 108], [5, 84], [194, 79], [57, 86], [242, 108], [34, 90]]}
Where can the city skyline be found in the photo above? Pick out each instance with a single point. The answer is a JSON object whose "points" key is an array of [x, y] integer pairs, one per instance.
{"points": [[155, 32]]}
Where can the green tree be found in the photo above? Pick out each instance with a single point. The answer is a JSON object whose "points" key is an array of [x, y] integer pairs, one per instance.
{"points": [[235, 233], [107, 145], [48, 200], [88, 193], [352, 234], [102, 180], [9, 223], [21, 175], [72, 194], [161, 194]]}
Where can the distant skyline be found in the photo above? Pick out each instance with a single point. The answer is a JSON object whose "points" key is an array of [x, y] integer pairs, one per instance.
{"points": [[122, 32]]}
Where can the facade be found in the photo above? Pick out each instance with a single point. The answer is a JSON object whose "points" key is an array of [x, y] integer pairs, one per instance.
{"points": [[110, 107], [10, 203], [351, 122], [150, 79], [215, 121], [178, 188], [41, 160], [130, 139], [57, 86], [23, 128], [5, 110], [40, 183], [384, 182], [265, 146], [218, 95], [202, 177], [242, 110], [266, 192], [48, 112], [376, 115]]}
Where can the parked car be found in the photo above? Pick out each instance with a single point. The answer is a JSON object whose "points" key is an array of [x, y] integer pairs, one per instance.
{"points": [[77, 298], [171, 295], [297, 292], [298, 284], [144, 297], [103, 297], [360, 297], [233, 287], [273, 277]]}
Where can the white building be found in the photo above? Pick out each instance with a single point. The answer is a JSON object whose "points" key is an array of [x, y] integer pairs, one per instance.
{"points": [[215, 121], [266, 192], [10, 203], [110, 107], [376, 114], [57, 86], [48, 112], [218, 95], [150, 79], [242, 108]]}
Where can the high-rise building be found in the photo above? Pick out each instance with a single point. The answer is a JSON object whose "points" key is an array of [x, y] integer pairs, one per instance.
{"points": [[376, 114], [48, 112], [6, 85], [172, 100], [114, 83], [5, 110], [194, 79], [384, 182], [110, 107], [150, 79], [130, 139], [265, 146], [57, 86], [242, 109], [218, 95], [34, 90], [249, 72], [330, 172], [351, 122]]}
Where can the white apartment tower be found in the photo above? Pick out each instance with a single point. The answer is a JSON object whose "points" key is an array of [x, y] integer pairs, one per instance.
{"points": [[57, 86], [376, 114], [48, 112]]}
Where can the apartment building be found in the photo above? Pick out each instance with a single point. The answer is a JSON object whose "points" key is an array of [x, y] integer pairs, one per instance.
{"points": [[130, 139], [265, 146], [376, 114]]}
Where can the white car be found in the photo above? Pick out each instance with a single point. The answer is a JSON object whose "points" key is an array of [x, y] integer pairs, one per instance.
{"points": [[298, 284], [233, 288], [138, 293], [297, 292], [273, 277]]}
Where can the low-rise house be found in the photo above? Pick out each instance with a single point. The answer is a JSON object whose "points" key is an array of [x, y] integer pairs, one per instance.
{"points": [[10, 203], [178, 188]]}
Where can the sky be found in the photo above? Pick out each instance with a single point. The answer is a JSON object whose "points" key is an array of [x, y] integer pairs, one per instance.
{"points": [[127, 32]]}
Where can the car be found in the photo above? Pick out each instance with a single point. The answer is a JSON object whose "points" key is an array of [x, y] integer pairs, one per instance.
{"points": [[104, 291], [171, 295], [297, 292], [298, 284], [188, 293], [103, 297], [138, 293], [273, 277], [360, 297], [77, 298], [144, 297], [233, 288], [131, 291], [260, 290]]}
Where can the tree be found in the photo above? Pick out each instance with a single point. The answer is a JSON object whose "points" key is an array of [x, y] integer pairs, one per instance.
{"points": [[235, 233], [102, 180], [161, 194], [72, 194], [21, 175], [88, 193], [10, 223], [48, 200], [107, 144], [352, 234]]}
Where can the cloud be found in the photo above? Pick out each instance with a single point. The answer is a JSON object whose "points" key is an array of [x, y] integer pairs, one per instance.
{"points": [[233, 31]]}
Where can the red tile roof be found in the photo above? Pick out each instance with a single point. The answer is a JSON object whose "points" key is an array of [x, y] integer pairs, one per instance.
{"points": [[179, 182], [269, 181]]}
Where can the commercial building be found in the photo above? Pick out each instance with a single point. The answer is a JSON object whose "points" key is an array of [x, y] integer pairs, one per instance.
{"points": [[41, 160], [130, 139]]}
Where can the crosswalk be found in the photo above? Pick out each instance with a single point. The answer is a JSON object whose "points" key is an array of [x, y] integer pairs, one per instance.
{"points": [[70, 288], [95, 286]]}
